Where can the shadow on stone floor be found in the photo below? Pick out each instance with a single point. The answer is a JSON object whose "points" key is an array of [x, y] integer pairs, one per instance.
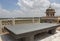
{"points": [[7, 38], [42, 36]]}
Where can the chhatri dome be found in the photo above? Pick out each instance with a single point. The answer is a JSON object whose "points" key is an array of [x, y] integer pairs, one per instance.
{"points": [[50, 11]]}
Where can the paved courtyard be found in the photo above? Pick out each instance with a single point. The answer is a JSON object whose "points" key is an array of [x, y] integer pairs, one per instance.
{"points": [[49, 37], [39, 37]]}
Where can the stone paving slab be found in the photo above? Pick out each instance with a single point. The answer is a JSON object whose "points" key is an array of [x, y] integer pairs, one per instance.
{"points": [[24, 28]]}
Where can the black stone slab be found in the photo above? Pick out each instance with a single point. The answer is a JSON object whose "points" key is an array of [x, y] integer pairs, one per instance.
{"points": [[30, 29]]}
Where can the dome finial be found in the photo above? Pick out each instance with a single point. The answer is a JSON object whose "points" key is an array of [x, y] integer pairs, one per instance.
{"points": [[50, 6]]}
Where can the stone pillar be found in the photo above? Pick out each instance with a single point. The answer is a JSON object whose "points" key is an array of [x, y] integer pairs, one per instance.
{"points": [[33, 20], [0, 25], [30, 38], [39, 19], [57, 21], [13, 21], [1, 38]]}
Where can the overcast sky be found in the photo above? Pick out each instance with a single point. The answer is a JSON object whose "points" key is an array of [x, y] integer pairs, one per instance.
{"points": [[27, 8]]}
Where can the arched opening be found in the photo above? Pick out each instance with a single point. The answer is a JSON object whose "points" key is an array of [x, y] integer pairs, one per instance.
{"points": [[59, 21]]}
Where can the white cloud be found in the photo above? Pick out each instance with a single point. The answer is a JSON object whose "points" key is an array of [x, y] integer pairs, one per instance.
{"points": [[30, 8], [4, 13], [33, 7], [17, 13], [7, 14], [56, 6], [28, 2]]}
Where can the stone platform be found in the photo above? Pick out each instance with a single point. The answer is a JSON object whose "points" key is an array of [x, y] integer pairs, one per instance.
{"points": [[27, 32], [39, 37]]}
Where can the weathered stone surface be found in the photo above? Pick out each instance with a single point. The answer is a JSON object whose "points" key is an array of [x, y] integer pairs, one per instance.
{"points": [[24, 28]]}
